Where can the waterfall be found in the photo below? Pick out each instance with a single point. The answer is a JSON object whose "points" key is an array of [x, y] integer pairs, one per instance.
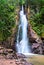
{"points": [[22, 45]]}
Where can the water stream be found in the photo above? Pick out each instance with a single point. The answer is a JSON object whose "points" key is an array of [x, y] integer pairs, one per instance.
{"points": [[22, 38]]}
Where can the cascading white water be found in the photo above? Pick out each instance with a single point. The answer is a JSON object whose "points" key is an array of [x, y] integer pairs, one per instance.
{"points": [[22, 45]]}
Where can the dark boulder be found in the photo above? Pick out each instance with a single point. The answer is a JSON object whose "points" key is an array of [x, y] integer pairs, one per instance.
{"points": [[19, 55], [37, 48]]}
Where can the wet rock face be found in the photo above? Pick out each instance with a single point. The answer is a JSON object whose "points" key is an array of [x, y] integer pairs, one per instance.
{"points": [[35, 40], [33, 35], [35, 45]]}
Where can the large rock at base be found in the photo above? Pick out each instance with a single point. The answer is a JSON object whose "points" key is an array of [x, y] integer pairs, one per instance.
{"points": [[37, 48]]}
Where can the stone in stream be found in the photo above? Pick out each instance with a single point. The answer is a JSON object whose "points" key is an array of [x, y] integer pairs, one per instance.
{"points": [[19, 55]]}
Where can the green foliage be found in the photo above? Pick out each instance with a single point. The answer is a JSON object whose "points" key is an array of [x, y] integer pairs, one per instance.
{"points": [[21, 2], [7, 17], [37, 21]]}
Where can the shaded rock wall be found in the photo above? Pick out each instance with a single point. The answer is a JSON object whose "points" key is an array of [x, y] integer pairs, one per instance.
{"points": [[36, 42]]}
